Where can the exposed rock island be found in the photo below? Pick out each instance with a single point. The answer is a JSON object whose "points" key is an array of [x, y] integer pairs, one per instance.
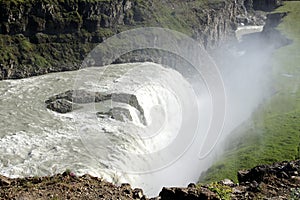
{"points": [[71, 100]]}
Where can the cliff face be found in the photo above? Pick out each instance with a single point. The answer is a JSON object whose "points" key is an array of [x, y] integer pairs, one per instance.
{"points": [[218, 23], [62, 17], [38, 37]]}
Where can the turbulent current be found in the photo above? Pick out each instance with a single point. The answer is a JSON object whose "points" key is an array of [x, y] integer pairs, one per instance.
{"points": [[172, 147], [37, 141]]}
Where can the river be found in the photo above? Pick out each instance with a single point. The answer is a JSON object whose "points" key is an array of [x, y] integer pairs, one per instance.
{"points": [[37, 141]]}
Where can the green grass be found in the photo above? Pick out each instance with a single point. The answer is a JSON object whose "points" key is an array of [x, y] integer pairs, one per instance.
{"points": [[274, 133], [223, 192]]}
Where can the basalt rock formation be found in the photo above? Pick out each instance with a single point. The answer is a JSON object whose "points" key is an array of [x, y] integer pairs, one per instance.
{"points": [[38, 37]]}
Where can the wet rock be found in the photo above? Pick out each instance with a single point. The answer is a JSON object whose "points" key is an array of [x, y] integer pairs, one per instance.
{"points": [[131, 100], [117, 113], [68, 101], [60, 106], [80, 96]]}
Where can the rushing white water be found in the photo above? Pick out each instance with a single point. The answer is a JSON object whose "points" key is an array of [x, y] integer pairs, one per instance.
{"points": [[37, 141]]}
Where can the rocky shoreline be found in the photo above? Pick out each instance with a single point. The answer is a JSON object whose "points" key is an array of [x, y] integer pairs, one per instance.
{"points": [[278, 181]]}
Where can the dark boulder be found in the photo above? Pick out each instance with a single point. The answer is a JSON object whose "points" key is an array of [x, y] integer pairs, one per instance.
{"points": [[187, 194], [60, 106], [255, 174], [117, 113]]}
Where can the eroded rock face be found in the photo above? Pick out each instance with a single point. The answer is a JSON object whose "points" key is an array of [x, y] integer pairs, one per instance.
{"points": [[60, 106], [72, 99], [50, 17], [117, 113], [81, 96]]}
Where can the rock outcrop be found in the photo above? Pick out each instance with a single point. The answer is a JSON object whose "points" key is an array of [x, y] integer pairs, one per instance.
{"points": [[117, 113], [38, 37], [187, 193], [60, 106], [73, 99]]}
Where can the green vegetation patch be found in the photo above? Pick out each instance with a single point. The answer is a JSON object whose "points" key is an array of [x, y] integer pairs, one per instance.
{"points": [[223, 192]]}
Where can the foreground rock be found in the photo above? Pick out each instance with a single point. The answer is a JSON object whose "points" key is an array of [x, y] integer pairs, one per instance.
{"points": [[277, 181], [66, 186]]}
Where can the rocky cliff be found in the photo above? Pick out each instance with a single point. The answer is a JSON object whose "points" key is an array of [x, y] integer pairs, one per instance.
{"points": [[38, 37]]}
